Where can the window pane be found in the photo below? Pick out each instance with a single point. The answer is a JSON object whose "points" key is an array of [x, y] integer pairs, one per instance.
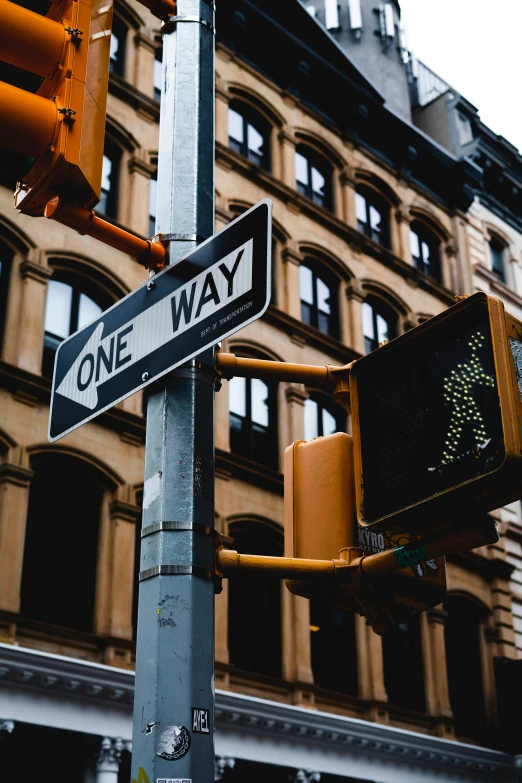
{"points": [[382, 329], [153, 195], [235, 126], [329, 423], [375, 219], [497, 259], [323, 297], [115, 52], [360, 207], [318, 182], [106, 174], [368, 327], [255, 141], [259, 403], [237, 396], [311, 419], [306, 285], [58, 308], [157, 79], [414, 245], [301, 169], [425, 249], [87, 311]]}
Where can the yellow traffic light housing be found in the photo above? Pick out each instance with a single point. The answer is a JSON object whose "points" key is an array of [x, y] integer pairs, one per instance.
{"points": [[436, 419], [62, 126], [320, 524]]}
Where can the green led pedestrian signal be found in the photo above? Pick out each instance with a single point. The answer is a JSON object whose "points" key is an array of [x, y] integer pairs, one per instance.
{"points": [[436, 419]]}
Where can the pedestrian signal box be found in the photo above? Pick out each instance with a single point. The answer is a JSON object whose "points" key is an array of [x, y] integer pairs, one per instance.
{"points": [[437, 418]]}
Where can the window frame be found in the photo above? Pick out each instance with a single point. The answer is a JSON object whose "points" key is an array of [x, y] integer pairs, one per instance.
{"points": [[426, 236], [374, 199], [120, 31], [382, 309], [260, 124], [336, 412], [315, 160], [322, 274], [246, 434], [158, 57], [113, 153]]}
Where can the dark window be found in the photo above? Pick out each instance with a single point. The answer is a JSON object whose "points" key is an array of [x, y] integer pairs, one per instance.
{"points": [[372, 213], [313, 177], [61, 543], [321, 418], [318, 300], [5, 269], [249, 134], [252, 408], [70, 306], [497, 250], [403, 671], [334, 655], [117, 56], [379, 324], [109, 185], [463, 660], [425, 252], [153, 196], [254, 605], [157, 74]]}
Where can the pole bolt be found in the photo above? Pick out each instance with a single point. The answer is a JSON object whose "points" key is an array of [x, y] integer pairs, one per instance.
{"points": [[150, 285], [145, 376]]}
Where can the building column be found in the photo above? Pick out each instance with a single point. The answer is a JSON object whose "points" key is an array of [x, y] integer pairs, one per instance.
{"points": [[109, 758], [488, 650], [348, 185], [292, 259], [448, 267], [145, 54], [221, 764], [370, 668], [140, 171], [15, 478], [401, 246], [435, 671], [463, 272], [31, 322], [354, 335], [287, 157], [115, 580], [222, 101]]}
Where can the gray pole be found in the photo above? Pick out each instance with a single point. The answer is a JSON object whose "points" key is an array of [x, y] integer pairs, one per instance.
{"points": [[175, 644]]}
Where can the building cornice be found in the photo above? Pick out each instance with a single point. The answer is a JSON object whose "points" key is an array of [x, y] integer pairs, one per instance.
{"points": [[147, 107], [41, 673]]}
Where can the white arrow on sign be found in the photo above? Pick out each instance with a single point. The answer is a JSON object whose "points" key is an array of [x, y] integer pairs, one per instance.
{"points": [[101, 359]]}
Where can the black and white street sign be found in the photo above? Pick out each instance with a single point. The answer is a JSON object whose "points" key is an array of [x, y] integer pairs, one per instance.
{"points": [[220, 287]]}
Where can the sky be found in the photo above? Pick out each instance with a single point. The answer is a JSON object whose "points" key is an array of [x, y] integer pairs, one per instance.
{"points": [[475, 46]]}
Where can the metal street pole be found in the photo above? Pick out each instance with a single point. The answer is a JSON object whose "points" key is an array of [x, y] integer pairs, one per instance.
{"points": [[173, 734]]}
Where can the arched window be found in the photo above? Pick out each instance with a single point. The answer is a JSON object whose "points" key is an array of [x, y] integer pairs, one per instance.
{"points": [[403, 668], [334, 654], [462, 637], [118, 41], [497, 252], [6, 257], [313, 176], [425, 250], [249, 134], [61, 543], [318, 292], [322, 417], [254, 605], [153, 198], [379, 323], [72, 303], [373, 215], [110, 175], [252, 406]]}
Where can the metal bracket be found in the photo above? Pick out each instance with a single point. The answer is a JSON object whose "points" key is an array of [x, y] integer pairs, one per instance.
{"points": [[156, 527], [176, 570], [170, 25], [183, 238]]}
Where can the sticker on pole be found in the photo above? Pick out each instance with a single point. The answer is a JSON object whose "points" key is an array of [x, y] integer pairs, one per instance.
{"points": [[210, 294]]}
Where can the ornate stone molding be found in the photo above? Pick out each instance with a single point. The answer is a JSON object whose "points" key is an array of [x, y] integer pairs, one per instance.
{"points": [[220, 765], [140, 39], [137, 165], [123, 510], [15, 474], [292, 256], [110, 753], [38, 272], [305, 776], [296, 394]]}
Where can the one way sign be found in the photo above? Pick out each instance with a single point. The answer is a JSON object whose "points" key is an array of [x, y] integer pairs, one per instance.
{"points": [[220, 287]]}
